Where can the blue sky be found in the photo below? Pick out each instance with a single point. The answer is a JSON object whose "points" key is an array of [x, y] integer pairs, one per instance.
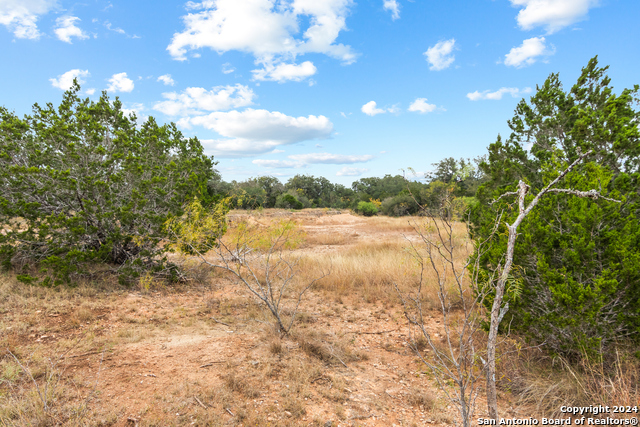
{"points": [[343, 89]]}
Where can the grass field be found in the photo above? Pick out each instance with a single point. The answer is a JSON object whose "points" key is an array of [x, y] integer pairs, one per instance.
{"points": [[205, 352]]}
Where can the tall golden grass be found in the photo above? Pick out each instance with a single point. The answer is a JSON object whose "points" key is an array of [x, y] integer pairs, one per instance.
{"points": [[371, 268], [368, 269]]}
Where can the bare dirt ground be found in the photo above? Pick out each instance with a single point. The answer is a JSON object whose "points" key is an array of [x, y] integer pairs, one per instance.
{"points": [[205, 353]]}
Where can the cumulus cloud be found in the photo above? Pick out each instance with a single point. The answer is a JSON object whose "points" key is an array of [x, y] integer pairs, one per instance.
{"points": [[282, 72], [21, 16], [440, 56], [551, 14], [370, 109], [66, 28], [302, 160], [271, 31], [166, 79], [527, 53], [197, 100], [65, 80], [120, 83], [420, 105], [497, 95], [347, 171], [393, 7], [253, 132]]}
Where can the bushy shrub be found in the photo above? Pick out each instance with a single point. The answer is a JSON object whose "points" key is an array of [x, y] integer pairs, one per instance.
{"points": [[80, 184], [288, 201], [400, 205], [367, 208]]}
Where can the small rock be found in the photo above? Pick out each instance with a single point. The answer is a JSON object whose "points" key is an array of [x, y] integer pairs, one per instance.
{"points": [[287, 413]]}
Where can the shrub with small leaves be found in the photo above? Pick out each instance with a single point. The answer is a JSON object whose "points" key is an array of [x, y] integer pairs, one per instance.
{"points": [[367, 208], [81, 185]]}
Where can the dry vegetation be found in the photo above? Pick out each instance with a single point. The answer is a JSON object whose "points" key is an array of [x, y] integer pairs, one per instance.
{"points": [[206, 353]]}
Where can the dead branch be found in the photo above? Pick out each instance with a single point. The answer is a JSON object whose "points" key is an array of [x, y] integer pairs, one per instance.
{"points": [[198, 400], [372, 333], [222, 323]]}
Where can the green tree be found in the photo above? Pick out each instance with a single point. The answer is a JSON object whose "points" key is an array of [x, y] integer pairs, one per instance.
{"points": [[460, 173], [578, 259], [272, 188], [288, 201], [248, 194], [379, 188], [317, 190], [81, 184]]}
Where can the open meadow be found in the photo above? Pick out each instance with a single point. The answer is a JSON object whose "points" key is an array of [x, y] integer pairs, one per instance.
{"points": [[206, 353]]}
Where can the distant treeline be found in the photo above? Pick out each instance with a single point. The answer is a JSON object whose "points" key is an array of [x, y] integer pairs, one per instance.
{"points": [[390, 195]]}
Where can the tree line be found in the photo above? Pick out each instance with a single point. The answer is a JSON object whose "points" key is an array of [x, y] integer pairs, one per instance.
{"points": [[393, 195]]}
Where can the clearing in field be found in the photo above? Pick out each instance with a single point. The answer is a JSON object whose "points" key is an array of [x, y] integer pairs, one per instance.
{"points": [[206, 353]]}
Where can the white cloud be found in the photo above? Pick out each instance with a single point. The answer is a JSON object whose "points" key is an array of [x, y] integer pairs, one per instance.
{"points": [[65, 80], [120, 83], [110, 27], [197, 100], [370, 109], [90, 91], [527, 53], [66, 28], [497, 95], [347, 171], [227, 68], [552, 14], [166, 79], [279, 164], [328, 158], [420, 105], [269, 30], [302, 160], [253, 132], [440, 56], [282, 72], [393, 7], [20, 16]]}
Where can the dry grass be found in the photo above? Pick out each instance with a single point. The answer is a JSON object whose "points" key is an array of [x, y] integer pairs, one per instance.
{"points": [[327, 239], [315, 363], [368, 269], [389, 224], [543, 384], [371, 268]]}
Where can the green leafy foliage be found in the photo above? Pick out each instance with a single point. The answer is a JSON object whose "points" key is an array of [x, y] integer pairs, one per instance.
{"points": [[288, 201], [367, 208], [578, 258], [80, 184], [198, 228]]}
